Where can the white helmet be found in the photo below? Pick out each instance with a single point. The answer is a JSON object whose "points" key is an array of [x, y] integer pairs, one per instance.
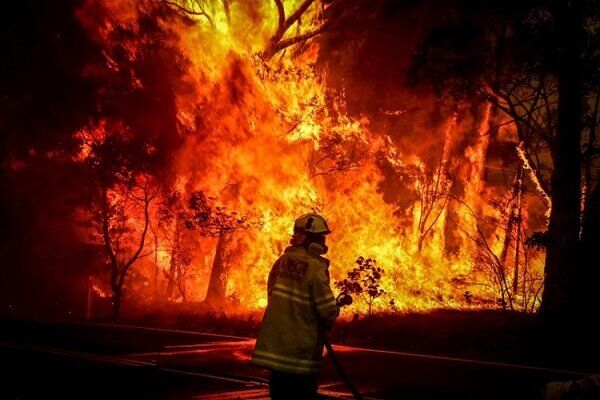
{"points": [[312, 223]]}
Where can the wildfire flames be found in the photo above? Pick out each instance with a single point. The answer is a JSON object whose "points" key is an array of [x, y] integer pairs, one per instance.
{"points": [[268, 138]]}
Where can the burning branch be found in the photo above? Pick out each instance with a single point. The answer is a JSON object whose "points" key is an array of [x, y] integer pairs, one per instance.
{"points": [[334, 158], [277, 42], [496, 267], [193, 7], [488, 260], [530, 104]]}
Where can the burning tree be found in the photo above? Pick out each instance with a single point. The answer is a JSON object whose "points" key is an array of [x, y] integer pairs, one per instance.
{"points": [[434, 188], [124, 191], [517, 285], [364, 281], [217, 221], [281, 39], [186, 99], [534, 63], [172, 215]]}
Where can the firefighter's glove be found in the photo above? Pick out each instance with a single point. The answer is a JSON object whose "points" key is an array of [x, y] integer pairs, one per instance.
{"points": [[344, 300]]}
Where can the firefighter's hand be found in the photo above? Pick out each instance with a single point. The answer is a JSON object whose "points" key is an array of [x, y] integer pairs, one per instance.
{"points": [[344, 300]]}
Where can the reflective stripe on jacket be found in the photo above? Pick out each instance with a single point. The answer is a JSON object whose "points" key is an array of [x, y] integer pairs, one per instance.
{"points": [[300, 301]]}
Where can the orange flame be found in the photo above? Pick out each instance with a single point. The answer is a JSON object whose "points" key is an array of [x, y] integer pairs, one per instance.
{"points": [[270, 137]]}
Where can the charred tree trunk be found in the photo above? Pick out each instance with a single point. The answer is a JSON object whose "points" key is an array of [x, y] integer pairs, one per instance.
{"points": [[156, 267], [174, 271], [112, 258], [181, 287], [513, 223], [510, 221], [120, 269], [590, 234], [589, 156], [518, 220], [563, 230], [171, 279], [590, 268], [116, 285], [116, 306], [215, 294]]}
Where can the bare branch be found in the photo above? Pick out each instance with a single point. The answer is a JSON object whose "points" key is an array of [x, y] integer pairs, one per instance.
{"points": [[297, 39], [277, 43], [191, 11]]}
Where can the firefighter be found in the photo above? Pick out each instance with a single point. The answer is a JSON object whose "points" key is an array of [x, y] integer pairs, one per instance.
{"points": [[301, 306]]}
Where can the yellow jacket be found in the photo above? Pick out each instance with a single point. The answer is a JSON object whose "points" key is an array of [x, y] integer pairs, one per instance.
{"points": [[300, 303]]}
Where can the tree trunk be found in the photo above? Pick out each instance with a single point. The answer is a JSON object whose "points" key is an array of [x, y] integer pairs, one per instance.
{"points": [[156, 267], [513, 220], [117, 296], [518, 220], [563, 229], [590, 233], [171, 280], [590, 267], [215, 295], [182, 291], [173, 270]]}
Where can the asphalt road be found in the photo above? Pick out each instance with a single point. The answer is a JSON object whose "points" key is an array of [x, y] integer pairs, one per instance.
{"points": [[44, 359]]}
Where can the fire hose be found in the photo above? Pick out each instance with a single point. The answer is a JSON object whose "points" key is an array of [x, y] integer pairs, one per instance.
{"points": [[345, 300], [340, 370]]}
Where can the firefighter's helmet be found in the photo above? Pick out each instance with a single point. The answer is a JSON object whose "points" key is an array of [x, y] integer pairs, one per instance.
{"points": [[312, 223]]}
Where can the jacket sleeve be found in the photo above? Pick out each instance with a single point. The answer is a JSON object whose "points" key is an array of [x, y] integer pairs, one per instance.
{"points": [[325, 303]]}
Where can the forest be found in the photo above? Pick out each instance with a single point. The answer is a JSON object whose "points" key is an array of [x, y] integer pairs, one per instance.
{"points": [[157, 152]]}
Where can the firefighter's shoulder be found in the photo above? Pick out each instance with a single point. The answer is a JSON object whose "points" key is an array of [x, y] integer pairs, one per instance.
{"points": [[299, 253]]}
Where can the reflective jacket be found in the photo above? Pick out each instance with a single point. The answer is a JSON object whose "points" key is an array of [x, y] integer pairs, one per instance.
{"points": [[300, 303]]}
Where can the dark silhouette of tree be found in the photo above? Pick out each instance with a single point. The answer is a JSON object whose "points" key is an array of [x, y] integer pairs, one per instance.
{"points": [[118, 168], [126, 148], [117, 236], [363, 281], [195, 8], [216, 221]]}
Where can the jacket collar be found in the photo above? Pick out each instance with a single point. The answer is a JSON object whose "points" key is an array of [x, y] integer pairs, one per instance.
{"points": [[302, 250]]}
